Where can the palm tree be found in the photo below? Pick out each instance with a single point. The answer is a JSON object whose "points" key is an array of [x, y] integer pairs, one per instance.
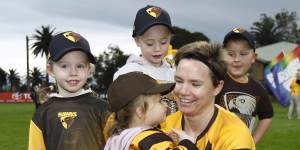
{"points": [[36, 76], [42, 39], [3, 76], [265, 31], [14, 79], [282, 27]]}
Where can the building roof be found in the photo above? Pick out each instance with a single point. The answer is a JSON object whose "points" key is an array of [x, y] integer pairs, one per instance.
{"points": [[269, 52]]}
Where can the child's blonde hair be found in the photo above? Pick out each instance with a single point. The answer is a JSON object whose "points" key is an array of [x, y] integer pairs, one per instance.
{"points": [[123, 117]]}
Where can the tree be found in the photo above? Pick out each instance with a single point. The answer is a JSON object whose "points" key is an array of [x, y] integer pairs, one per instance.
{"points": [[36, 76], [42, 38], [287, 23], [14, 79], [3, 78], [183, 36], [107, 64], [281, 27]]}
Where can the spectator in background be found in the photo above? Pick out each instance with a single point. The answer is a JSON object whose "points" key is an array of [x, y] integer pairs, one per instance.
{"points": [[34, 96], [295, 93]]}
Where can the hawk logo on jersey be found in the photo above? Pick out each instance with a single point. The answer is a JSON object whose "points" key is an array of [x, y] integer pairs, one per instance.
{"points": [[154, 11], [242, 104], [67, 118], [74, 37]]}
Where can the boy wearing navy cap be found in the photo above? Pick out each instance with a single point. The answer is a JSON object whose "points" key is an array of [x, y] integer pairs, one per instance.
{"points": [[241, 94], [72, 119]]}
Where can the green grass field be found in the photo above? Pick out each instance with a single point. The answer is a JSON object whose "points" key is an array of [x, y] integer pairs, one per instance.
{"points": [[284, 133], [14, 125]]}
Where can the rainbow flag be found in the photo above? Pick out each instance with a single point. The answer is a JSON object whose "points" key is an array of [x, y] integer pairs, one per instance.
{"points": [[282, 81], [269, 78], [283, 70]]}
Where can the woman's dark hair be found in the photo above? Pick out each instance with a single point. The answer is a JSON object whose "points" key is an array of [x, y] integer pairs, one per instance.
{"points": [[209, 54]]}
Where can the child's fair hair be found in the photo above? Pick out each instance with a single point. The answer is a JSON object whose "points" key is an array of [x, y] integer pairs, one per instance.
{"points": [[123, 117]]}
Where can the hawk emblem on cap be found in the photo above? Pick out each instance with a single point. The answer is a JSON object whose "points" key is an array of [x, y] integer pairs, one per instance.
{"points": [[154, 11], [238, 30], [72, 36], [67, 118]]}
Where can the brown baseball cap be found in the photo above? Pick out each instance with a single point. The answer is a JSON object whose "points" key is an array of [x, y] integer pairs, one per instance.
{"points": [[130, 85]]}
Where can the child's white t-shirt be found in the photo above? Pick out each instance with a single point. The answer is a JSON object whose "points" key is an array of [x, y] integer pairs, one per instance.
{"points": [[163, 73]]}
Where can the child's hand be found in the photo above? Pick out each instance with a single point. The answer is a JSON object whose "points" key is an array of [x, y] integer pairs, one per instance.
{"points": [[174, 136], [178, 135]]}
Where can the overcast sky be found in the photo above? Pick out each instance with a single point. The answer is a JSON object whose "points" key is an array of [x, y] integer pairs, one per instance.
{"points": [[110, 22]]}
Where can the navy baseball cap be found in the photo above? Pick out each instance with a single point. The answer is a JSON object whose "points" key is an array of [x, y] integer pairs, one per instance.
{"points": [[240, 33], [65, 42], [149, 16]]}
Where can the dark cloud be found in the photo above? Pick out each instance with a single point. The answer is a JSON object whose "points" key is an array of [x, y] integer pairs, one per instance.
{"points": [[214, 18], [105, 22]]}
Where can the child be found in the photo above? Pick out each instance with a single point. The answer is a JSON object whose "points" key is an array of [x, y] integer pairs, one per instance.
{"points": [[241, 94], [152, 33], [135, 99], [295, 93], [73, 118]]}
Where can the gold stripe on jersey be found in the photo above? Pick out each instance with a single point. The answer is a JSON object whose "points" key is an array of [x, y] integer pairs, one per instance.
{"points": [[154, 139], [225, 131], [137, 139], [36, 141]]}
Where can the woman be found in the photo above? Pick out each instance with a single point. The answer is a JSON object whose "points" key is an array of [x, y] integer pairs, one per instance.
{"points": [[199, 78]]}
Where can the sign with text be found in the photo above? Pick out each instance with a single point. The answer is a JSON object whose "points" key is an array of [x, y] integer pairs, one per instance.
{"points": [[9, 97]]}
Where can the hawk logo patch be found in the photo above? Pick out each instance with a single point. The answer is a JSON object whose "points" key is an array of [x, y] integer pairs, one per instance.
{"points": [[154, 11], [74, 37], [67, 118], [238, 30]]}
